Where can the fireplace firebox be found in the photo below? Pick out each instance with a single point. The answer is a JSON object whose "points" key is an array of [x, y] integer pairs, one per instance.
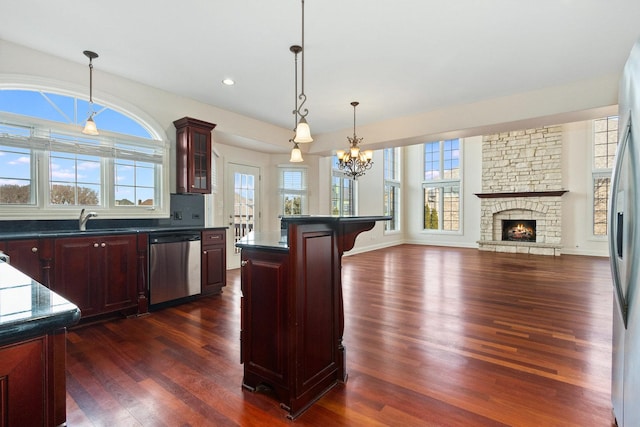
{"points": [[519, 230]]}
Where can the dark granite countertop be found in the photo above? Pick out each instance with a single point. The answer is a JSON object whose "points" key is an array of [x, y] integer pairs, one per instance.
{"points": [[29, 309], [274, 240], [48, 234], [277, 240]]}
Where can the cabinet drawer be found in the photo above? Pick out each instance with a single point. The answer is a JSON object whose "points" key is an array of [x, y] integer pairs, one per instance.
{"points": [[212, 237]]}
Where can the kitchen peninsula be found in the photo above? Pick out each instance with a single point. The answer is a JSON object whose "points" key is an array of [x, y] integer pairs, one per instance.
{"points": [[33, 322], [292, 309]]}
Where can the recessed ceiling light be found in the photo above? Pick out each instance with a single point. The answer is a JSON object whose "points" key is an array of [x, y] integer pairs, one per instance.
{"points": [[228, 82]]}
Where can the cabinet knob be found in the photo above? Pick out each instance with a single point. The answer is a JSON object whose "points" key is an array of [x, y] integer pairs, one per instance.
{"points": [[103, 244], [34, 250], [95, 245], [243, 263], [204, 252]]}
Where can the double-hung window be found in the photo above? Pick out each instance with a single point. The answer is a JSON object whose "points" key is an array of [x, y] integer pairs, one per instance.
{"points": [[343, 188], [392, 188], [605, 142], [293, 190], [441, 186], [49, 168]]}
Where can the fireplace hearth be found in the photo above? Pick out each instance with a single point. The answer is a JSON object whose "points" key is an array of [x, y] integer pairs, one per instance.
{"points": [[519, 230]]}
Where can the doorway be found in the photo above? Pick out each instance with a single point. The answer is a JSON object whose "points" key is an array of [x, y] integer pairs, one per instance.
{"points": [[242, 206]]}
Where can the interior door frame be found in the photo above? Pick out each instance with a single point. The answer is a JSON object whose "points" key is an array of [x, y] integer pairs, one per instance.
{"points": [[233, 256]]}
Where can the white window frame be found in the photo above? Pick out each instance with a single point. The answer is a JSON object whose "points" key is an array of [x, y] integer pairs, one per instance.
{"points": [[394, 183], [284, 191], [337, 173], [441, 185], [597, 173], [44, 134]]}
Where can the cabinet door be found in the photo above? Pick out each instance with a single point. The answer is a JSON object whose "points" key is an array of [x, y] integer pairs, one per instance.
{"points": [[75, 276], [214, 261], [22, 391], [200, 161], [97, 273], [193, 155], [265, 306], [25, 256], [118, 271]]}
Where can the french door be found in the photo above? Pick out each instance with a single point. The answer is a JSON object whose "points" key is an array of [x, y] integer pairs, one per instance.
{"points": [[242, 206]]}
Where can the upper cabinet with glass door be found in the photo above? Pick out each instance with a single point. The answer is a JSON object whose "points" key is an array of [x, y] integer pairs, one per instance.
{"points": [[193, 155]]}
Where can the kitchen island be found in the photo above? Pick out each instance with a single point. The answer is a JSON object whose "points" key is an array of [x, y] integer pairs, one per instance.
{"points": [[292, 310], [33, 322]]}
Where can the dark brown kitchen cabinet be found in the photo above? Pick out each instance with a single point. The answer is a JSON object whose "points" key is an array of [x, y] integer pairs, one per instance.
{"points": [[214, 261], [99, 273], [193, 155], [31, 256], [266, 330], [32, 382]]}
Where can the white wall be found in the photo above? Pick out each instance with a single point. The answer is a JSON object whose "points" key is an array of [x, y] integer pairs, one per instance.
{"points": [[577, 215]]}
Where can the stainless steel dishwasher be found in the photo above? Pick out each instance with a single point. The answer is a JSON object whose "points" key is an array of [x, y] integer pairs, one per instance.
{"points": [[174, 265]]}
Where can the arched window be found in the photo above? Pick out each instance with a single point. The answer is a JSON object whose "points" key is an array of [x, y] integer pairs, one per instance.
{"points": [[48, 167]]}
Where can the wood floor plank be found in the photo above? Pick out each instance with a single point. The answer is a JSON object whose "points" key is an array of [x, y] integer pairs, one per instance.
{"points": [[435, 336]]}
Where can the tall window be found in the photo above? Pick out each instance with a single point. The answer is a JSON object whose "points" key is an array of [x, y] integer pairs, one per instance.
{"points": [[441, 185], [47, 165], [605, 142], [342, 192], [392, 188], [293, 191]]}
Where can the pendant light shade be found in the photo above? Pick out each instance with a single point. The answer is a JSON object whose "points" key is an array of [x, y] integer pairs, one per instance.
{"points": [[296, 154], [90, 127], [303, 133]]}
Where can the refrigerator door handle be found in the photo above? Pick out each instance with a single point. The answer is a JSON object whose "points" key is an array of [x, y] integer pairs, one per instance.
{"points": [[616, 221]]}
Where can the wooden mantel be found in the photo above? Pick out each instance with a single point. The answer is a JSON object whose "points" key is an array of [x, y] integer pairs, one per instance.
{"points": [[555, 193]]}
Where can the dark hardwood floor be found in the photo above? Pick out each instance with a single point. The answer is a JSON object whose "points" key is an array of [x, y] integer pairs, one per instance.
{"points": [[435, 336]]}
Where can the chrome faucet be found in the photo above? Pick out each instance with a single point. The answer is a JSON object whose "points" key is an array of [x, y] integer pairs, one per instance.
{"points": [[82, 221]]}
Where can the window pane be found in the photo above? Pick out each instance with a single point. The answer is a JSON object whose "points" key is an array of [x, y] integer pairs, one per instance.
{"points": [[451, 155], [74, 179], [451, 209], [15, 176], [431, 208], [605, 141], [342, 196], [391, 203], [135, 183], [292, 204], [600, 205], [432, 161]]}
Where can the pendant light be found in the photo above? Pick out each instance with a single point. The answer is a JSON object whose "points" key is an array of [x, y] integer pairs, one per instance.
{"points": [[296, 154], [90, 126], [354, 162], [303, 132]]}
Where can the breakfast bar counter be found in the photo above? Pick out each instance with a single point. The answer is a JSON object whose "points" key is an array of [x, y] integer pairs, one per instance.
{"points": [[292, 310]]}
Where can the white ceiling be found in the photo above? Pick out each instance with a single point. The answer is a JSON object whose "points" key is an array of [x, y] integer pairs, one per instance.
{"points": [[396, 57]]}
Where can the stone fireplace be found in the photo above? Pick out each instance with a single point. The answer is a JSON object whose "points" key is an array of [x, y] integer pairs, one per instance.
{"points": [[522, 192]]}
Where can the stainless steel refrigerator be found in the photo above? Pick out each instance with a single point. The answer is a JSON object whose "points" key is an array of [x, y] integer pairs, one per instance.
{"points": [[624, 249]]}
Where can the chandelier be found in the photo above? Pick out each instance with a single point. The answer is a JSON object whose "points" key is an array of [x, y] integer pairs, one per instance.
{"points": [[354, 162], [90, 126], [303, 132]]}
